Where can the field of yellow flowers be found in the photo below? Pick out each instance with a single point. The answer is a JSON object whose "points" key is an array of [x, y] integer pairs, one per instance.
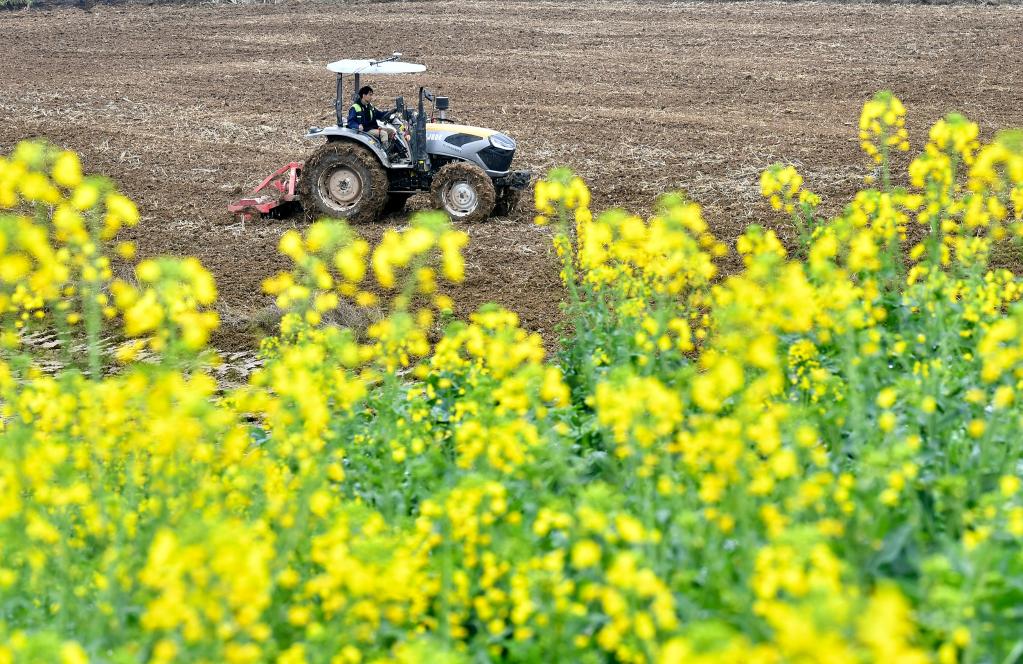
{"points": [[817, 459]]}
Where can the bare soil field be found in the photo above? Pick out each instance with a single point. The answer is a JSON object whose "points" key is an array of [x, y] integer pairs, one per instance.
{"points": [[184, 105]]}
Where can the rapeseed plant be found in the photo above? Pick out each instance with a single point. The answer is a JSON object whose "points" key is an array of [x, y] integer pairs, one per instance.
{"points": [[813, 459]]}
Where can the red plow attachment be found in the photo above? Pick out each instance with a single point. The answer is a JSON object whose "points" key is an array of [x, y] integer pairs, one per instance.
{"points": [[278, 189]]}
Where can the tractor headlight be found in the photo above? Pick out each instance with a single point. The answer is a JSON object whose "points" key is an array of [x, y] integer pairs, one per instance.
{"points": [[501, 141]]}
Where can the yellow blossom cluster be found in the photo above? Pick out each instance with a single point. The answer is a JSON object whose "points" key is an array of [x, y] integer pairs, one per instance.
{"points": [[54, 253], [883, 126]]}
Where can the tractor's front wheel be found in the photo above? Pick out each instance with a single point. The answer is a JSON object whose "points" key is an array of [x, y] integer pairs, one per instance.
{"points": [[345, 181], [464, 191]]}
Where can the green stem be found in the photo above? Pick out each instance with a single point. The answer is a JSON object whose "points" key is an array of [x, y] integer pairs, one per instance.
{"points": [[90, 304]]}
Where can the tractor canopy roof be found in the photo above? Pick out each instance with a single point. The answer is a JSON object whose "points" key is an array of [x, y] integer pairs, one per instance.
{"points": [[374, 67]]}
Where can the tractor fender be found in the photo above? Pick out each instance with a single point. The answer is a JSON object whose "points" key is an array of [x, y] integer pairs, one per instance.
{"points": [[345, 134]]}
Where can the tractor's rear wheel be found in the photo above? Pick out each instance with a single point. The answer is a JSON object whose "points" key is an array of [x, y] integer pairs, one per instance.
{"points": [[464, 191], [344, 181]]}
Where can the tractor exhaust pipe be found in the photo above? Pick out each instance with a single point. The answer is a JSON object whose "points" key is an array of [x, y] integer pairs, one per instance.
{"points": [[419, 155]]}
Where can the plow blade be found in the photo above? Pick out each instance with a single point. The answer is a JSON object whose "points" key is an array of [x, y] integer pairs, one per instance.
{"points": [[279, 188]]}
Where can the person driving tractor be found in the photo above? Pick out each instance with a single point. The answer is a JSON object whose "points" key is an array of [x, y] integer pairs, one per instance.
{"points": [[362, 116]]}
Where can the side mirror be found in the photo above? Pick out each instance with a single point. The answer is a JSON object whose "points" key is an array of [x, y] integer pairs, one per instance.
{"points": [[399, 104], [442, 103]]}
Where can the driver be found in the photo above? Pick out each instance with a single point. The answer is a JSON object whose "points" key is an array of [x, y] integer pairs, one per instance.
{"points": [[363, 117]]}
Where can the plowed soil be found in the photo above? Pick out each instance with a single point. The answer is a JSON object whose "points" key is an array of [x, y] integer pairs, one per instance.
{"points": [[186, 105]]}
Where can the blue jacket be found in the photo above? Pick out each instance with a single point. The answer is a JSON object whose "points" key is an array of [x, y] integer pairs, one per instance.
{"points": [[365, 115]]}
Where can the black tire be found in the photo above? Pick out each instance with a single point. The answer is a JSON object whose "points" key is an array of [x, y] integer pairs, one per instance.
{"points": [[464, 191], [395, 204], [507, 202], [330, 174]]}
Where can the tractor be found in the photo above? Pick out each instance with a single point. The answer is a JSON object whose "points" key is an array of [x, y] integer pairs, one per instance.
{"points": [[353, 176]]}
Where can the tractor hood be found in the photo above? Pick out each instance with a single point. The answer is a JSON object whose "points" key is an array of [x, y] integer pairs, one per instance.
{"points": [[449, 128], [445, 130], [490, 149]]}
